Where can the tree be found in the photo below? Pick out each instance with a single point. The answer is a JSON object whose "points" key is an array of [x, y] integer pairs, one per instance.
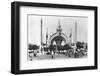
{"points": [[66, 47], [33, 47], [79, 45], [30, 46], [81, 49]]}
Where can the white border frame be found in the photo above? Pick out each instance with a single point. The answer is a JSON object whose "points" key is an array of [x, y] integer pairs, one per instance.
{"points": [[24, 65]]}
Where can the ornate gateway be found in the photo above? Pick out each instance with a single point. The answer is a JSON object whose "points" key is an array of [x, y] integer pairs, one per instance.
{"points": [[58, 38]]}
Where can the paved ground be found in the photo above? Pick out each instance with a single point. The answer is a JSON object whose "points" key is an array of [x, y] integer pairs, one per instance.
{"points": [[56, 56]]}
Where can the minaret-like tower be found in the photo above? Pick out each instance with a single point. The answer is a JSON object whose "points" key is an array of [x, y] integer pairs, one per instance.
{"points": [[46, 36], [70, 36], [75, 36], [41, 34], [75, 32]]}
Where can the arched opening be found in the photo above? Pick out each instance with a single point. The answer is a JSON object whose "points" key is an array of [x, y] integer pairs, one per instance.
{"points": [[58, 41]]}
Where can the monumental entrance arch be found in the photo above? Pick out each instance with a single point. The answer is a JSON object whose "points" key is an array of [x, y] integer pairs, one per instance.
{"points": [[58, 38]]}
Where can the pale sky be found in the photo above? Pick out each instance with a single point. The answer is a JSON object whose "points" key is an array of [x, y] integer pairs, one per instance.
{"points": [[51, 23]]}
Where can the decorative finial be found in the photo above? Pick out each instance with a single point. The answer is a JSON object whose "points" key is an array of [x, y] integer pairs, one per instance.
{"points": [[59, 27], [59, 23]]}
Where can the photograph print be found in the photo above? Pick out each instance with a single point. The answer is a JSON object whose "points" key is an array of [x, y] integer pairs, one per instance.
{"points": [[52, 37]]}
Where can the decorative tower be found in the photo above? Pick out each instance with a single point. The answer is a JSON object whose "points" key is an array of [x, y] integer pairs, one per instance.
{"points": [[75, 32], [70, 37], [41, 35], [46, 37], [75, 36]]}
